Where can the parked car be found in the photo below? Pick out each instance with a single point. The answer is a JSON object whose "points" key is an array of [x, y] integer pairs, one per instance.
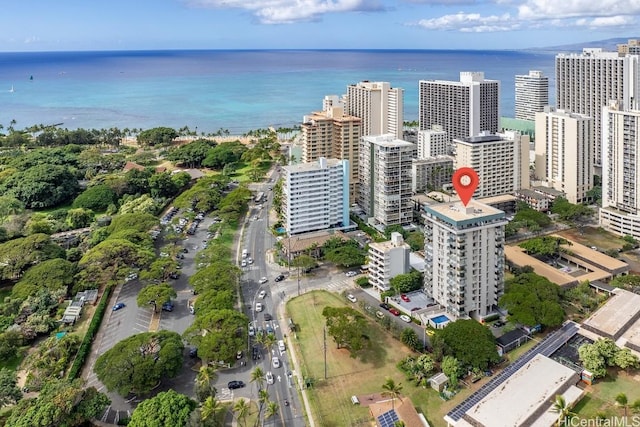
{"points": [[279, 278], [167, 306], [385, 306], [352, 298], [131, 276], [258, 306], [379, 314], [267, 317], [394, 311], [239, 354], [235, 384], [262, 294], [405, 318], [405, 298], [193, 352], [118, 306], [263, 280]]}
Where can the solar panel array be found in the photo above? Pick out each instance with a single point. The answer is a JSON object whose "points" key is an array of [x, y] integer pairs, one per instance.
{"points": [[546, 347], [388, 418]]}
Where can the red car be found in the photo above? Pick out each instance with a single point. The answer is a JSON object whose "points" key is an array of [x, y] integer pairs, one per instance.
{"points": [[405, 298], [394, 311]]}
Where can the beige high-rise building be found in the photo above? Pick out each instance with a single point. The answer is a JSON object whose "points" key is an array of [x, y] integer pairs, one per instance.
{"points": [[380, 106], [331, 134], [463, 108], [620, 212], [433, 142], [532, 94], [385, 180], [563, 152], [586, 82], [500, 160], [464, 257], [632, 47]]}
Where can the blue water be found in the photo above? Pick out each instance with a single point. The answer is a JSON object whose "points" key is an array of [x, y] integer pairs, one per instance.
{"points": [[234, 90], [440, 319]]}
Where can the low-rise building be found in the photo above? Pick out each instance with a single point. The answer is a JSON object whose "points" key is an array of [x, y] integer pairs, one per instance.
{"points": [[387, 260]]}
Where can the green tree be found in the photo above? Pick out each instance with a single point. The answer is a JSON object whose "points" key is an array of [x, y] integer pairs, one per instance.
{"points": [[415, 239], [532, 299], [347, 328], [451, 368], [60, 403], [621, 400], [224, 153], [204, 389], [469, 342], [303, 262], [96, 198], [241, 410], [79, 218], [42, 186], [218, 334], [52, 274], [346, 256], [161, 185], [167, 408], [569, 212], [563, 410], [192, 154], [271, 410], [592, 360], [391, 389], [139, 362], [210, 409], [546, 246], [110, 261], [257, 377], [409, 337], [9, 391], [625, 359], [156, 294], [157, 136], [9, 206]]}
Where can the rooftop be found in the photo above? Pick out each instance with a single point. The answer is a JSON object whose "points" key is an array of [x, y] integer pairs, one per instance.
{"points": [[456, 213], [308, 167], [523, 394], [613, 318]]}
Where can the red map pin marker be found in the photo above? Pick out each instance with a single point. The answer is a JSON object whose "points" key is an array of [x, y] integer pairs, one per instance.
{"points": [[465, 182]]}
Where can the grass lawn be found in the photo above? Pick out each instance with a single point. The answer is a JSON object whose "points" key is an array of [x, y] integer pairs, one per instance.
{"points": [[592, 236], [330, 398], [600, 397], [242, 174]]}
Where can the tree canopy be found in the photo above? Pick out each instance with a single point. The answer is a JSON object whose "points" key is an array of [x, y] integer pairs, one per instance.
{"points": [[545, 246], [192, 154], [60, 403], [157, 293], [347, 328], [157, 136], [167, 408], [224, 153], [138, 363], [96, 198], [470, 342], [532, 299], [51, 274], [218, 334], [42, 186]]}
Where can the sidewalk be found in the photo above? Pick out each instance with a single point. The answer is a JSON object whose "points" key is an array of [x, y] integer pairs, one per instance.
{"points": [[296, 365]]}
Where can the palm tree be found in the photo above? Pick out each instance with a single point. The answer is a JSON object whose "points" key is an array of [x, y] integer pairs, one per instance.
{"points": [[269, 341], [272, 409], [621, 399], [561, 408], [263, 398], [392, 390], [257, 376], [206, 374], [210, 409], [241, 409]]}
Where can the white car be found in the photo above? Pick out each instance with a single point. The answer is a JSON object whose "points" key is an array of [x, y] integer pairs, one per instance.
{"points": [[243, 263], [275, 362], [258, 306], [351, 298], [351, 273], [269, 377], [262, 294], [262, 280], [250, 260], [131, 276], [405, 318], [252, 330]]}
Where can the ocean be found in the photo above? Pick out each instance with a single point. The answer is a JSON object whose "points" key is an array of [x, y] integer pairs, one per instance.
{"points": [[236, 90]]}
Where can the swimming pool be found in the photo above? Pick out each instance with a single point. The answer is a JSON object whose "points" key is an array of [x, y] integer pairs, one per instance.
{"points": [[440, 319]]}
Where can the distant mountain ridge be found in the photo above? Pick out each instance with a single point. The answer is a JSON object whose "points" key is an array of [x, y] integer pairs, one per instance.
{"points": [[607, 44]]}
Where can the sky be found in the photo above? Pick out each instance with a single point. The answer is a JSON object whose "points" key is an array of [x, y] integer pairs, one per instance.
{"points": [[68, 25]]}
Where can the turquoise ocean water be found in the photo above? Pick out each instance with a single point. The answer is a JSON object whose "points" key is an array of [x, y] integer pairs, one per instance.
{"points": [[235, 90]]}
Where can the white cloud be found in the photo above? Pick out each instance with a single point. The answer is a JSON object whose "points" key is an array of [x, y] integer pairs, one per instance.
{"points": [[31, 39], [542, 9], [470, 23], [289, 11]]}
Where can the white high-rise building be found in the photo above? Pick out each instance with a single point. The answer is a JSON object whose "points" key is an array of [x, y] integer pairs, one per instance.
{"points": [[315, 195], [387, 260], [500, 160], [620, 212], [433, 142], [532, 94], [385, 180], [464, 257], [380, 106], [586, 82], [563, 152], [463, 108]]}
